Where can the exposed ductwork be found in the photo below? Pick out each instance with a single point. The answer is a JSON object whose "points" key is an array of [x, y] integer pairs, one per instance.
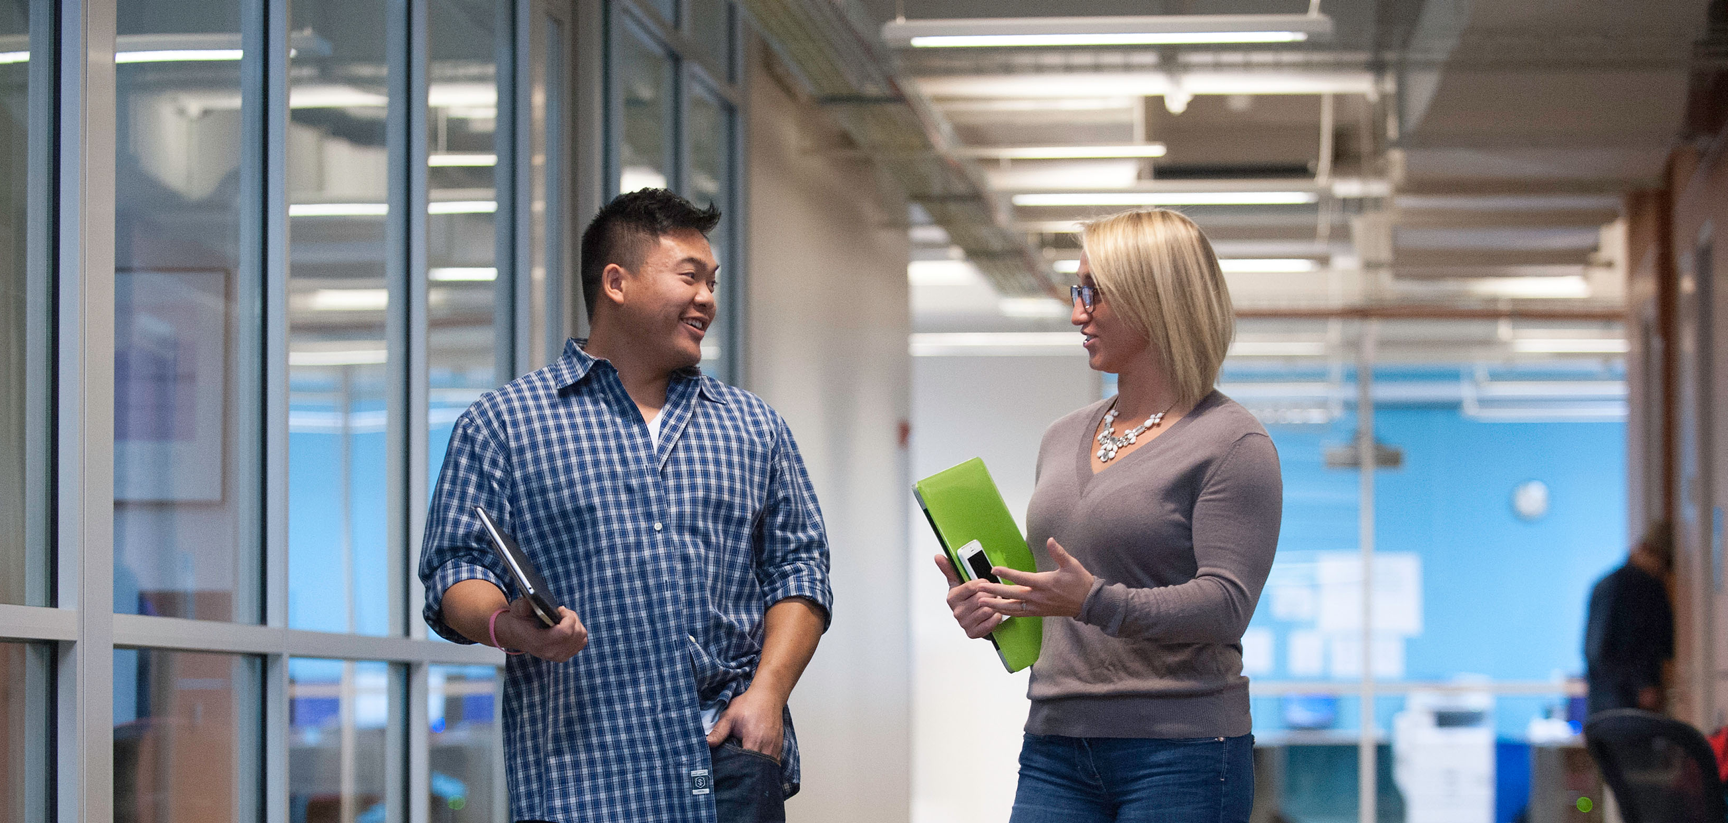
{"points": [[848, 71]]}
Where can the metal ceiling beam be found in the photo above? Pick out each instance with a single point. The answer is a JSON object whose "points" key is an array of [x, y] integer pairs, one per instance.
{"points": [[830, 47]]}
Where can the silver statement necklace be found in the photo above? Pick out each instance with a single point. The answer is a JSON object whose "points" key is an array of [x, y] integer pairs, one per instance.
{"points": [[1109, 443]]}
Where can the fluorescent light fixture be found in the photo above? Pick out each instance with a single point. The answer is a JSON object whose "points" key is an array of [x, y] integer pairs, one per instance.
{"points": [[1277, 348], [1032, 307], [462, 207], [349, 300], [1587, 345], [1066, 266], [355, 357], [943, 273], [1098, 152], [448, 274], [178, 55], [1142, 38], [1059, 104], [338, 209], [974, 344], [334, 97], [9, 57], [381, 209], [448, 159], [462, 95], [1050, 87], [1169, 198], [1235, 265], [1573, 285], [1150, 30]]}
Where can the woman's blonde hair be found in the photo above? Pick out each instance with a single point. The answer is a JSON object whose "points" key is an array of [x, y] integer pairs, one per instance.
{"points": [[1158, 271]]}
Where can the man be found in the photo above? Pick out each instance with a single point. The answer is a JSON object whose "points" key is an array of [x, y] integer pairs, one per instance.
{"points": [[1629, 631], [672, 518]]}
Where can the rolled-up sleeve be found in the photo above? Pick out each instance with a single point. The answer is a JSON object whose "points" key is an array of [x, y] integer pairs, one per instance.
{"points": [[791, 544], [1235, 532], [476, 472]]}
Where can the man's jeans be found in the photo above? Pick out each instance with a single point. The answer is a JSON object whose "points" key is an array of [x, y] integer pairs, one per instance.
{"points": [[1106, 779], [746, 786]]}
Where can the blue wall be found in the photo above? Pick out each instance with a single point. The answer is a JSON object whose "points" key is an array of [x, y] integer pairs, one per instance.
{"points": [[1502, 597]]}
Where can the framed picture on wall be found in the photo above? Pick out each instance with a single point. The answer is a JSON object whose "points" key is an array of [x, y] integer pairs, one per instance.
{"points": [[170, 384]]}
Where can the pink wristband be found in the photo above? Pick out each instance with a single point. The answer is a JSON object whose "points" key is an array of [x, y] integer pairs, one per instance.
{"points": [[492, 629]]}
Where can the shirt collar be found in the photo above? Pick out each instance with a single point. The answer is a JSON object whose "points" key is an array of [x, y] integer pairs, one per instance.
{"points": [[575, 363]]}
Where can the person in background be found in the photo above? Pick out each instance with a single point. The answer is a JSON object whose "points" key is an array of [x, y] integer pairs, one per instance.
{"points": [[1629, 628], [673, 517], [1154, 520]]}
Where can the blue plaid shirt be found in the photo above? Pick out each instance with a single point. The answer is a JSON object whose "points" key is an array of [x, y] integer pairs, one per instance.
{"points": [[670, 556]]}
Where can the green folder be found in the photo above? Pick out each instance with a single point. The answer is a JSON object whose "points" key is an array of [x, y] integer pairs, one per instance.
{"points": [[963, 505]]}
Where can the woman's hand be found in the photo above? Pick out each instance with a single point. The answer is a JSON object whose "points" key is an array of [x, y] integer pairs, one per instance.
{"points": [[967, 601], [1060, 593]]}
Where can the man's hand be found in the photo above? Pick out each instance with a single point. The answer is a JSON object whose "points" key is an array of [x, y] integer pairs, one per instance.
{"points": [[969, 602], [755, 720], [521, 629], [790, 631], [468, 608], [1060, 593]]}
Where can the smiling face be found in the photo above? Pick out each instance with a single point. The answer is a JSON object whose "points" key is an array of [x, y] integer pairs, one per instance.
{"points": [[667, 303], [1111, 345]]}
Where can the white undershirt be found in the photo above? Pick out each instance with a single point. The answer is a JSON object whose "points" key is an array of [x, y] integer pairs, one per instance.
{"points": [[654, 430]]}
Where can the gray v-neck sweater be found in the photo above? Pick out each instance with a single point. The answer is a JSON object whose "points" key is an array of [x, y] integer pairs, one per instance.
{"points": [[1180, 535]]}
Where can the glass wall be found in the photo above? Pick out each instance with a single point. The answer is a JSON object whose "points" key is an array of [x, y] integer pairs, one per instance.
{"points": [[1498, 478], [711, 25], [675, 128], [462, 719], [469, 340], [23, 731], [187, 736], [333, 226], [646, 110], [23, 302], [339, 713], [338, 179], [181, 347], [708, 181]]}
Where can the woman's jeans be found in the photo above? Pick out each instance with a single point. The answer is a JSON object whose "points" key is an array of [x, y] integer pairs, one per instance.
{"points": [[1183, 780]]}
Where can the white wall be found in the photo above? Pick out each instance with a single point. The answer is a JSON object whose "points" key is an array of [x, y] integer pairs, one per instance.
{"points": [[827, 324], [968, 713]]}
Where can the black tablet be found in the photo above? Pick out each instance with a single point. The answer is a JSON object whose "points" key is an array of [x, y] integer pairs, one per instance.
{"points": [[522, 570]]}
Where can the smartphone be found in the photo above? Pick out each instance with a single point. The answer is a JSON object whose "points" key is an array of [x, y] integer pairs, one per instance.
{"points": [[522, 570], [974, 564]]}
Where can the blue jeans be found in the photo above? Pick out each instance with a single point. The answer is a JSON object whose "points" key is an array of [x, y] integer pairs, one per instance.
{"points": [[1143, 780], [746, 786]]}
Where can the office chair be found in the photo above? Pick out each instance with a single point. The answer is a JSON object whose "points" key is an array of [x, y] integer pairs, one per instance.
{"points": [[1660, 769]]}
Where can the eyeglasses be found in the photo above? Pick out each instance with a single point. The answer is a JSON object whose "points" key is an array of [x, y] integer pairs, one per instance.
{"points": [[1087, 295]]}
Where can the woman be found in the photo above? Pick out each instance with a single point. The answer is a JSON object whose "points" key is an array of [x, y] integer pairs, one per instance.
{"points": [[1158, 512]]}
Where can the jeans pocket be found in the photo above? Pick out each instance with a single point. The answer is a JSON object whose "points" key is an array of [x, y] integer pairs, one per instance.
{"points": [[747, 786], [734, 745]]}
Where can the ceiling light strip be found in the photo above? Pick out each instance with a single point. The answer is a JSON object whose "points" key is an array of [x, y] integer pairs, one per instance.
{"points": [[178, 55], [1104, 39], [1163, 29], [1099, 152], [1169, 198]]}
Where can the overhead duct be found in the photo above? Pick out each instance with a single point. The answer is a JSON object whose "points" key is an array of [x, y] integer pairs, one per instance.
{"points": [[848, 72]]}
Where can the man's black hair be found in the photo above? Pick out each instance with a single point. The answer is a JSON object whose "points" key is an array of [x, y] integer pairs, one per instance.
{"points": [[625, 228]]}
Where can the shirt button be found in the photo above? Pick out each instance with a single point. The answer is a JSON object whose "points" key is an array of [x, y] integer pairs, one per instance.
{"points": [[656, 527]]}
